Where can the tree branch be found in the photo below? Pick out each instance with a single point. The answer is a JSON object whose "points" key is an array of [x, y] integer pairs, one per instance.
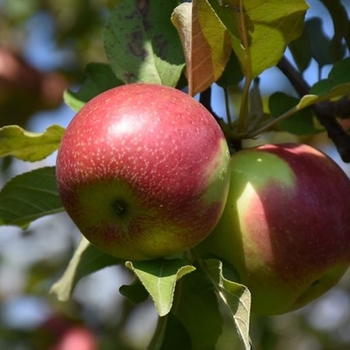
{"points": [[325, 112]]}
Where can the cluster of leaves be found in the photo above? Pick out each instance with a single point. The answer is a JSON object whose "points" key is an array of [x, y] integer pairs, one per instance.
{"points": [[188, 45]]}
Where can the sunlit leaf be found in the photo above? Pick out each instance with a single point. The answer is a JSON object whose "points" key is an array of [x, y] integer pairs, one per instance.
{"points": [[336, 92], [86, 260], [260, 30], [73, 101], [29, 196], [29, 146], [206, 43], [335, 86], [159, 278], [141, 43], [234, 296], [300, 123]]}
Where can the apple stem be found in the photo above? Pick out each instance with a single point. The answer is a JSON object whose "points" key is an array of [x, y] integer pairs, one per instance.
{"points": [[234, 143], [243, 112], [227, 107], [272, 122]]}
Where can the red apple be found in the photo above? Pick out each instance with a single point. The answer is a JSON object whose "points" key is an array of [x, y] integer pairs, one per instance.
{"points": [[143, 171], [286, 225], [77, 338]]}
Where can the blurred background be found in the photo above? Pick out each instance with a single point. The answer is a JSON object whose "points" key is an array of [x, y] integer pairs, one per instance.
{"points": [[44, 47]]}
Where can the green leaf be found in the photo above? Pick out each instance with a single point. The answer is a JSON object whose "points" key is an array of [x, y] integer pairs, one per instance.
{"points": [[29, 196], [341, 28], [72, 100], [86, 260], [335, 86], [340, 73], [320, 43], [336, 92], [322, 87], [141, 43], [175, 335], [234, 296], [300, 123], [29, 146], [99, 77], [198, 309], [159, 277], [205, 41], [135, 292], [300, 49], [232, 74], [260, 30]]}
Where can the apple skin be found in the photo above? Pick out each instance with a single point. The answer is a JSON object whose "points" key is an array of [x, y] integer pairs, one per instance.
{"points": [[143, 171], [77, 338], [286, 225]]}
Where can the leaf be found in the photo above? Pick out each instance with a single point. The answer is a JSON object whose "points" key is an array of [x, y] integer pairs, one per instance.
{"points": [[340, 73], [99, 77], [159, 278], [234, 296], [335, 86], [29, 146], [141, 43], [260, 30], [232, 74], [336, 92], [175, 336], [341, 28], [320, 43], [72, 100], [205, 41], [300, 49], [300, 123], [135, 292], [29, 196], [86, 260], [198, 309], [321, 87]]}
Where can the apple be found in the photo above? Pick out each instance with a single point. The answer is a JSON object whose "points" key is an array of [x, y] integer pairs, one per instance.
{"points": [[143, 171], [286, 225], [77, 338]]}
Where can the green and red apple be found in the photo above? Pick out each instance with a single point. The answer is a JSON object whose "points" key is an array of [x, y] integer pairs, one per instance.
{"points": [[143, 171], [286, 225]]}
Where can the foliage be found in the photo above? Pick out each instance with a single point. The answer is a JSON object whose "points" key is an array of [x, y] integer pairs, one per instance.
{"points": [[193, 46]]}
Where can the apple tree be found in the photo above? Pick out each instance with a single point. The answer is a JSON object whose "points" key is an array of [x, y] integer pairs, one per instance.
{"points": [[200, 47]]}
